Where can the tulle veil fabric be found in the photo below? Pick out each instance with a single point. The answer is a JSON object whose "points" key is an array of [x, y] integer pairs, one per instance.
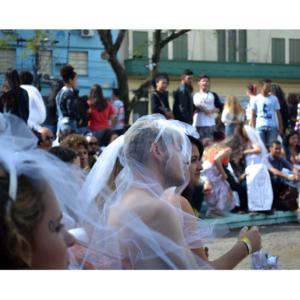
{"points": [[124, 206]]}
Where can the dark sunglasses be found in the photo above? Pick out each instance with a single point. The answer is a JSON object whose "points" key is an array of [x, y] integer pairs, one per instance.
{"points": [[93, 144], [47, 138]]}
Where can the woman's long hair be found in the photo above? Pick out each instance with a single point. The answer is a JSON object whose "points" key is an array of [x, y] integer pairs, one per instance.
{"points": [[10, 91], [287, 136], [233, 105], [97, 99], [278, 92], [57, 85], [79, 104]]}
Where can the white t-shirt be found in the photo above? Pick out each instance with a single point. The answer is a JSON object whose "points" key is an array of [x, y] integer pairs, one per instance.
{"points": [[37, 110], [266, 108], [200, 118], [227, 117]]}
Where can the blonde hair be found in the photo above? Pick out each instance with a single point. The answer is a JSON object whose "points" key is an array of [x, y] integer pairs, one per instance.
{"points": [[233, 105], [18, 223]]}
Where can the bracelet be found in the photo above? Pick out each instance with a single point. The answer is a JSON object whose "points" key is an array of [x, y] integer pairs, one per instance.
{"points": [[247, 242], [288, 178]]}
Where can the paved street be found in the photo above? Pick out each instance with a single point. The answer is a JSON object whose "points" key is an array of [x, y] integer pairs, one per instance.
{"points": [[282, 240]]}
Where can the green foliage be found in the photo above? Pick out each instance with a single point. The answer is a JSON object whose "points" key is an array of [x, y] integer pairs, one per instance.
{"points": [[34, 44]]}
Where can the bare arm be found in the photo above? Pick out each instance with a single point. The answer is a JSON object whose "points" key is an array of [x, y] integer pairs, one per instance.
{"points": [[295, 171], [113, 119], [255, 149], [277, 173], [253, 118], [218, 161], [280, 122], [282, 153]]}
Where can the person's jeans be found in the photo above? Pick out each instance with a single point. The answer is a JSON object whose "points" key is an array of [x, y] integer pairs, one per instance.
{"points": [[229, 129], [53, 128], [243, 195], [267, 134], [81, 130], [62, 125], [277, 186], [205, 132]]}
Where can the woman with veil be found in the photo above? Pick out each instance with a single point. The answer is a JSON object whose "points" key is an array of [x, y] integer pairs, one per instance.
{"points": [[254, 148], [132, 184]]}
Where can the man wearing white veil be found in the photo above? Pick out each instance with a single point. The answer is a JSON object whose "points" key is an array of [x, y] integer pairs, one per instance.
{"points": [[139, 219]]}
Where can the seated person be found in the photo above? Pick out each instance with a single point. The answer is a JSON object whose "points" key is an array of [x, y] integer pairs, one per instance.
{"points": [[93, 150], [275, 163], [290, 149], [66, 154]]}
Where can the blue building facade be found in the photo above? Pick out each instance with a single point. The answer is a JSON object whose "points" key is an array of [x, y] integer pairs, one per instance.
{"points": [[82, 49]]}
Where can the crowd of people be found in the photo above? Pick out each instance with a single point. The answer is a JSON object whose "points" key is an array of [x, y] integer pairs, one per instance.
{"points": [[132, 195]]}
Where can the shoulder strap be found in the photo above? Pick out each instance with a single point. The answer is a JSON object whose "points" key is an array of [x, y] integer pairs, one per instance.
{"points": [[162, 104]]}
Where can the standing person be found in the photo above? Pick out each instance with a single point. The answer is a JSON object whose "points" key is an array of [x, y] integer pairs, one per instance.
{"points": [[183, 107], [102, 111], [14, 99], [37, 111], [78, 143], [284, 110], [47, 137], [159, 99], [51, 112], [275, 163], [293, 107], [251, 93], [232, 114], [83, 109], [65, 100], [265, 106], [207, 104], [119, 111]]}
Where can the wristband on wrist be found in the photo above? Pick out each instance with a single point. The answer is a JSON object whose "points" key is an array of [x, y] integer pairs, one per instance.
{"points": [[247, 242], [288, 178]]}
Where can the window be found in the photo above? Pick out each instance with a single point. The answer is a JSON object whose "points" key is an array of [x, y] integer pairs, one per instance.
{"points": [[278, 51], [180, 47], [242, 45], [221, 45], [140, 44], [164, 50], [45, 61], [232, 45], [294, 51], [79, 60], [7, 59]]}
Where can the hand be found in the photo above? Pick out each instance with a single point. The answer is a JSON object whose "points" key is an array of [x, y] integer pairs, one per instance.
{"points": [[280, 131], [169, 115], [207, 189], [208, 111], [253, 236], [295, 180], [243, 176], [201, 107], [224, 177]]}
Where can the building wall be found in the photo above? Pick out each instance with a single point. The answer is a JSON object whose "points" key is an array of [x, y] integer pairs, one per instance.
{"points": [[98, 70]]}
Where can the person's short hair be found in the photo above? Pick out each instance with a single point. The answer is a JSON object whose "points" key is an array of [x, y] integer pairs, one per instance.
{"points": [[116, 92], [187, 72], [265, 80], [75, 140], [64, 153], [276, 142], [201, 76], [159, 76], [26, 77], [66, 133], [67, 73], [218, 135], [206, 142]]}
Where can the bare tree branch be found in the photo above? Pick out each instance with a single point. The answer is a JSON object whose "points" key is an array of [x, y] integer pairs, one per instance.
{"points": [[172, 37], [119, 40]]}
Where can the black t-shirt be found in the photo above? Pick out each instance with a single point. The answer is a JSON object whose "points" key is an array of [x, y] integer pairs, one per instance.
{"points": [[51, 116], [157, 98], [21, 109]]}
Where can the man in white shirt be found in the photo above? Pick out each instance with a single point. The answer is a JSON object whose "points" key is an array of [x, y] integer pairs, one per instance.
{"points": [[207, 104], [37, 110], [266, 107]]}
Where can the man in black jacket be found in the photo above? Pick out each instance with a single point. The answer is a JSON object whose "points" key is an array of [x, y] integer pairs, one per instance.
{"points": [[183, 107]]}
